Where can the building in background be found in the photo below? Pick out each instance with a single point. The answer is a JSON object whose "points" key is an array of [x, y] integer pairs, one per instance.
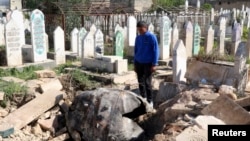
{"points": [[5, 5]]}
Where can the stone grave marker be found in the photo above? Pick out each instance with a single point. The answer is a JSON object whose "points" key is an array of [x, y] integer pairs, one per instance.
{"points": [[92, 29], [209, 40], [125, 35], [37, 36], [236, 38], [196, 42], [131, 31], [13, 43], [99, 44], [59, 46], [88, 46], [47, 41], [73, 40], [119, 44], [81, 34], [17, 16], [179, 62], [248, 45], [221, 47], [212, 15], [151, 28], [118, 28], [189, 38], [8, 15], [175, 38], [165, 38], [2, 36], [240, 58], [222, 25]]}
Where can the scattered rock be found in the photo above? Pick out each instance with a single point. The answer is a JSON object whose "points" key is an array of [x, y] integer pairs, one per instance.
{"points": [[54, 84], [45, 74], [228, 91], [104, 112], [192, 134], [227, 110], [36, 130], [1, 96], [204, 121], [160, 137], [64, 106], [48, 124]]}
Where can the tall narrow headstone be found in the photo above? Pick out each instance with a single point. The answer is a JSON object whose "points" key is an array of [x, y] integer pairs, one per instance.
{"points": [[234, 14], [175, 38], [189, 38], [221, 46], [125, 35], [88, 46], [209, 40], [179, 62], [212, 15], [117, 28], [222, 25], [197, 38], [186, 5], [198, 4], [131, 31], [92, 29], [13, 43], [240, 58], [236, 38], [151, 28], [59, 46], [47, 41], [119, 44], [165, 38], [74, 40], [2, 36], [17, 16], [248, 45], [81, 34], [37, 36], [99, 44]]}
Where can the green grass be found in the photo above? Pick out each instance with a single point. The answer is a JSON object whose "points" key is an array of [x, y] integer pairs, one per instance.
{"points": [[61, 68], [27, 73], [11, 89]]}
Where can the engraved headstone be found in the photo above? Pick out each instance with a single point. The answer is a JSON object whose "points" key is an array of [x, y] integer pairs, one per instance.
{"points": [[196, 42], [73, 40], [209, 40], [131, 31], [119, 44], [118, 28], [179, 62], [221, 39], [17, 16], [81, 34], [165, 38], [175, 37], [236, 38], [59, 46], [37, 36], [240, 58], [13, 43], [99, 44], [88, 46], [189, 38]]}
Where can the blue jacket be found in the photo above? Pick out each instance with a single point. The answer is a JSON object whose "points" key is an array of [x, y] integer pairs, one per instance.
{"points": [[146, 49]]}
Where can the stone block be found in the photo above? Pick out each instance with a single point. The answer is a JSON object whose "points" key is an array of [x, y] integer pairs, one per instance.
{"points": [[227, 110], [192, 134], [6, 129], [121, 66], [48, 124], [96, 64], [111, 59], [45, 74], [204, 121], [1, 96], [54, 84]]}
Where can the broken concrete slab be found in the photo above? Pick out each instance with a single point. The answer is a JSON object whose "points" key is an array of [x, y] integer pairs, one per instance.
{"points": [[49, 124], [45, 74], [33, 109], [36, 130], [6, 129], [192, 134], [1, 96], [204, 121], [54, 84], [227, 110], [243, 102], [228, 91]]}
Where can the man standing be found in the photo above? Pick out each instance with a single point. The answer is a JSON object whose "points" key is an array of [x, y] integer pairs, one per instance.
{"points": [[146, 56]]}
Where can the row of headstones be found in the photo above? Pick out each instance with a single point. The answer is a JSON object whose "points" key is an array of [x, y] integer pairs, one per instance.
{"points": [[15, 39]]}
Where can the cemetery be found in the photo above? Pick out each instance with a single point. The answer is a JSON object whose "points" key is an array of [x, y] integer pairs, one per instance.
{"points": [[67, 72]]}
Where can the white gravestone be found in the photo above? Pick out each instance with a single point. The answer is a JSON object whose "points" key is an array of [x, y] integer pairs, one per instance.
{"points": [[99, 44], [73, 40], [189, 38], [131, 31], [240, 58], [165, 38], [2, 36], [37, 36], [118, 28], [175, 38], [17, 16], [212, 15], [92, 29], [209, 40], [236, 38], [179, 62], [151, 28], [222, 25], [221, 47], [59, 46], [13, 43], [88, 46], [81, 34]]}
